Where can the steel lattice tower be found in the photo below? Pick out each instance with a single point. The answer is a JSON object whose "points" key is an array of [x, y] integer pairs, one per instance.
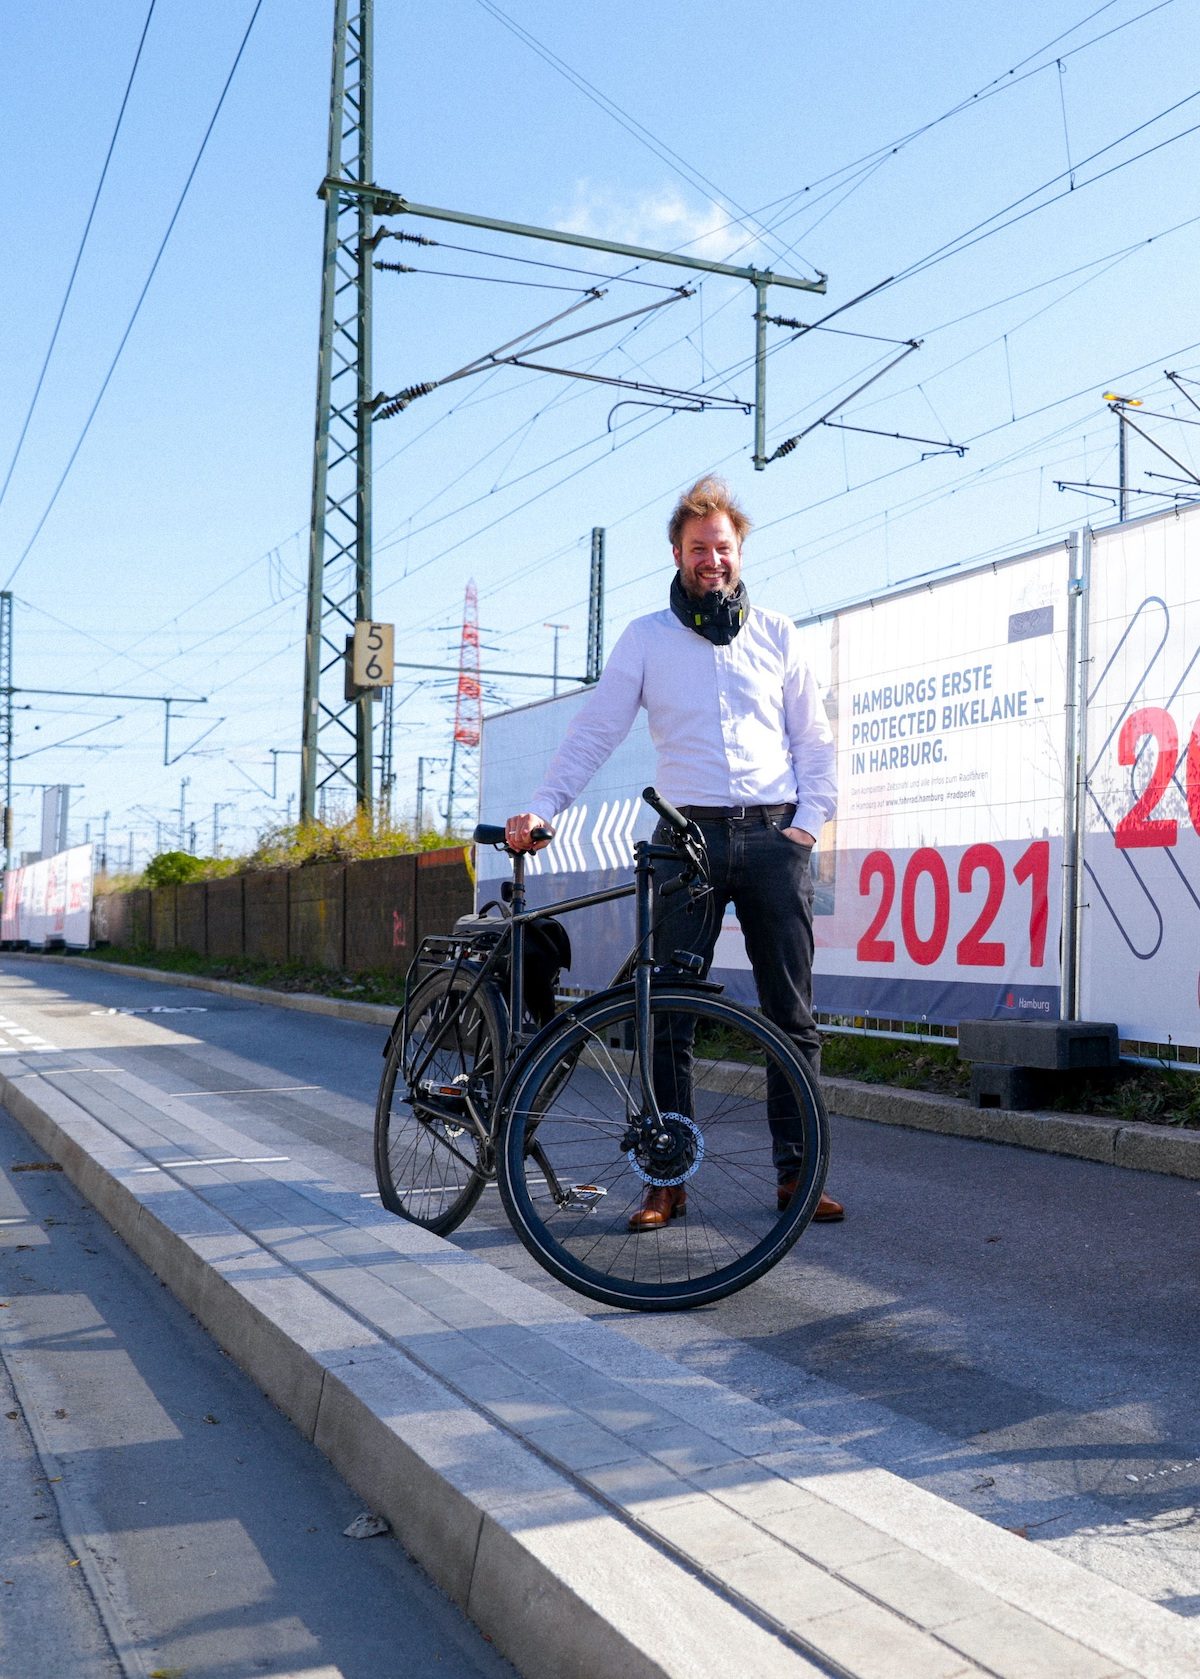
{"points": [[336, 736], [468, 714]]}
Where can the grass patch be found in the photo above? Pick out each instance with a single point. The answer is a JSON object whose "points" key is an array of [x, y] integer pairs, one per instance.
{"points": [[909, 1066], [386, 988], [1145, 1095]]}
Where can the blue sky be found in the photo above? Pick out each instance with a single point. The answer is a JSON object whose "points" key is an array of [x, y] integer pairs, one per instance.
{"points": [[173, 559]]}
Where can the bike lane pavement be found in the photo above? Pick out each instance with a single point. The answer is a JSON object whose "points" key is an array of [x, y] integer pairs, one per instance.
{"points": [[136, 1074]]}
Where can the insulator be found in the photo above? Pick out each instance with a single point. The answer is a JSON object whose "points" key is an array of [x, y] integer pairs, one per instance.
{"points": [[786, 448], [397, 267], [414, 238], [401, 400]]}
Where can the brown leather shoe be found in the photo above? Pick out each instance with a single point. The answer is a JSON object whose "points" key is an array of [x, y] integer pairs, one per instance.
{"points": [[828, 1210], [660, 1207]]}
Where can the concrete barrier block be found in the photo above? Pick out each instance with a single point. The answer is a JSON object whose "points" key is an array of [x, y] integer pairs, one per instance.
{"points": [[996, 1084], [191, 919], [317, 915], [444, 890], [381, 913], [226, 932], [162, 917], [266, 915], [1063, 1045]]}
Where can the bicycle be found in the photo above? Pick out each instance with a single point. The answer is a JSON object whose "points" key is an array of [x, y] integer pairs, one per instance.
{"points": [[565, 1115]]}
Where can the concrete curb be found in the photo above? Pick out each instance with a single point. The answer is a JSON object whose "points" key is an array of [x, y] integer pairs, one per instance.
{"points": [[591, 1504], [306, 1002], [1114, 1142]]}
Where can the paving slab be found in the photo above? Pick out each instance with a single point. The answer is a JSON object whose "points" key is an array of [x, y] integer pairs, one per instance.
{"points": [[593, 1504]]}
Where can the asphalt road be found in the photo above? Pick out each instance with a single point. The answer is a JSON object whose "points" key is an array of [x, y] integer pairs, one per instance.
{"points": [[1011, 1330]]}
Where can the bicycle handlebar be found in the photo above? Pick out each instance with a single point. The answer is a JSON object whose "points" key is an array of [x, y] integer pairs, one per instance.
{"points": [[486, 834], [666, 810]]}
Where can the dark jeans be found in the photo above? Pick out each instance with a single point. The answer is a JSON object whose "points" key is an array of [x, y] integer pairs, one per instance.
{"points": [[769, 881]]}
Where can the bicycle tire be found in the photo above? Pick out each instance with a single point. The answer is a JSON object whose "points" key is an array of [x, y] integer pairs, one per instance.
{"points": [[566, 1115], [430, 1164]]}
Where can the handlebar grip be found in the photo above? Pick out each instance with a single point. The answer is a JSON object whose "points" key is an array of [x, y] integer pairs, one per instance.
{"points": [[486, 834], [665, 809]]}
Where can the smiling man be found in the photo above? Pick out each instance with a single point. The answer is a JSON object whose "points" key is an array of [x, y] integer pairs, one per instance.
{"points": [[745, 750]]}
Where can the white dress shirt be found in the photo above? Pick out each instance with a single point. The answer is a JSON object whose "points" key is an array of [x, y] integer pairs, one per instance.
{"points": [[736, 725]]}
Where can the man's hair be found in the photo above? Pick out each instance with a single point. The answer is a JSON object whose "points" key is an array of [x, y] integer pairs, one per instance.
{"points": [[707, 496]]}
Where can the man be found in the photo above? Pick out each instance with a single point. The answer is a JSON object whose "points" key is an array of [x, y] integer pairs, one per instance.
{"points": [[745, 750]]}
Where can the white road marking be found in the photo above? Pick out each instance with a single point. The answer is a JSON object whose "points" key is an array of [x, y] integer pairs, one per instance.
{"points": [[253, 1090]]}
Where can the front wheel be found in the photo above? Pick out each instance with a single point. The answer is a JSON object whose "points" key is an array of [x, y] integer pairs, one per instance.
{"points": [[577, 1162]]}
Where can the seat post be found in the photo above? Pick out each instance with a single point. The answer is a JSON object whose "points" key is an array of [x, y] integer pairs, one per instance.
{"points": [[518, 883]]}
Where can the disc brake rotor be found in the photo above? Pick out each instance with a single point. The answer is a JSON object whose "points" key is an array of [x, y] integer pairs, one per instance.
{"points": [[667, 1154]]}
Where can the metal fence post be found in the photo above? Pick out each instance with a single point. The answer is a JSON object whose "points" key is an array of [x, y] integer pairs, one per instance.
{"points": [[1074, 712]]}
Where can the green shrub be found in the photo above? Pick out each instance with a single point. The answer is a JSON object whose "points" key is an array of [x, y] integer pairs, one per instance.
{"points": [[172, 868]]}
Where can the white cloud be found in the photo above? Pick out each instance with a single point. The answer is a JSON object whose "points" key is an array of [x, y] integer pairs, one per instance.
{"points": [[662, 219]]}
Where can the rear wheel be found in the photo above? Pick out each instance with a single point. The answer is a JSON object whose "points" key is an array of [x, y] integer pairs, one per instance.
{"points": [[577, 1159], [434, 1104]]}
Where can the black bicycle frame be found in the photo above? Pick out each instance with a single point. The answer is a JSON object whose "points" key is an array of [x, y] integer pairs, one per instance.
{"points": [[512, 942]]}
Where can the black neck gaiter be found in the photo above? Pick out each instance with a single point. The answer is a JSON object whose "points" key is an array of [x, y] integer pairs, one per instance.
{"points": [[715, 616]]}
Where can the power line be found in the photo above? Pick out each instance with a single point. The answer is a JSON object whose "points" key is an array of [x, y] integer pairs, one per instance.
{"points": [[963, 241], [37, 389], [999, 84], [631, 125], [138, 305]]}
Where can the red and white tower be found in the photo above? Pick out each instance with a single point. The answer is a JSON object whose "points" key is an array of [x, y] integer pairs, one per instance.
{"points": [[463, 798]]}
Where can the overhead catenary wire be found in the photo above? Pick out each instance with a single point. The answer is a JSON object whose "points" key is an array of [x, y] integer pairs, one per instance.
{"points": [[638, 130], [140, 300], [929, 331], [87, 228]]}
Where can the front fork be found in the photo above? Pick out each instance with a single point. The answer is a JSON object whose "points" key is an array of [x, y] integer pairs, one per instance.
{"points": [[644, 855]]}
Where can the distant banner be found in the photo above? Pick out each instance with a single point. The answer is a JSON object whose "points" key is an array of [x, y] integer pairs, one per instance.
{"points": [[49, 901], [1140, 916]]}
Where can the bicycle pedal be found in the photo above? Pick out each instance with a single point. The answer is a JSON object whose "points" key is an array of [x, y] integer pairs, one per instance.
{"points": [[587, 1195]]}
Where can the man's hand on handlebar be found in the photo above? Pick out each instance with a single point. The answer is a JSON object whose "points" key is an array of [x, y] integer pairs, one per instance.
{"points": [[519, 831]]}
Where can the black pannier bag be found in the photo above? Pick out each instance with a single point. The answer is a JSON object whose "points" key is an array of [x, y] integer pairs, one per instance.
{"points": [[547, 953]]}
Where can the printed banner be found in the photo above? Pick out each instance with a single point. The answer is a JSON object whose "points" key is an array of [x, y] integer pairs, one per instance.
{"points": [[939, 882], [1140, 916], [49, 901]]}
